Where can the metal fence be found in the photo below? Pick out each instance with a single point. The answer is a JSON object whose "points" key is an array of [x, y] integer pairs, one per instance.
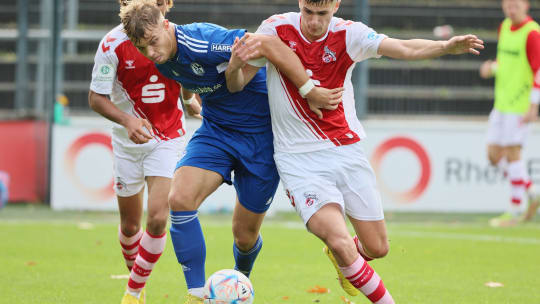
{"points": [[442, 86]]}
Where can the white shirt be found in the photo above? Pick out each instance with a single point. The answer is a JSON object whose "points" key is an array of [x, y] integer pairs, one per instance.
{"points": [[136, 87], [329, 61]]}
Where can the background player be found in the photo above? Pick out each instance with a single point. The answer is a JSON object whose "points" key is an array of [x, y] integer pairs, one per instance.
{"points": [[235, 134], [319, 160], [517, 94], [148, 140]]}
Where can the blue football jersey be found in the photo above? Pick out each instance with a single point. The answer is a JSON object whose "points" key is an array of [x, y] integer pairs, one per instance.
{"points": [[199, 65]]}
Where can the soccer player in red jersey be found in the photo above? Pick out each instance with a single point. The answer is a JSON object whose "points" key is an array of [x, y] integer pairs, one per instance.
{"points": [[319, 159], [517, 95], [148, 140]]}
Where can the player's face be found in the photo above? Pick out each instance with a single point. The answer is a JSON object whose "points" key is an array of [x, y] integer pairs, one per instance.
{"points": [[316, 17], [158, 45], [515, 9]]}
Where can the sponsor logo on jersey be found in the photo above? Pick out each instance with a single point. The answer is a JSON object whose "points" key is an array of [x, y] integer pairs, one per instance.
{"points": [[175, 73], [311, 198], [205, 90], [329, 55], [221, 47], [129, 64], [153, 92], [197, 69], [105, 72]]}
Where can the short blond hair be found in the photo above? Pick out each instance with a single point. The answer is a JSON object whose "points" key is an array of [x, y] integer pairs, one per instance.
{"points": [[170, 3], [137, 16]]}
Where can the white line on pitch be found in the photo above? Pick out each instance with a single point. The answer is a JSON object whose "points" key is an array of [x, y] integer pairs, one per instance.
{"points": [[466, 237]]}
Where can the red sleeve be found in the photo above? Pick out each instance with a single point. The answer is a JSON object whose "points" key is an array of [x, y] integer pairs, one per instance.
{"points": [[533, 54]]}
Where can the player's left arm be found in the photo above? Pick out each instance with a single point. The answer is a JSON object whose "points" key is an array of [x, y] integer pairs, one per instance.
{"points": [[415, 49], [533, 55]]}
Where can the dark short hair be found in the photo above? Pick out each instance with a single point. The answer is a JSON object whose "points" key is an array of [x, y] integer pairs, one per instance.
{"points": [[319, 2]]}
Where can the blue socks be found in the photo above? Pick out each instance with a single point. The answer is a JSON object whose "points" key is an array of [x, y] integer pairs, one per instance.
{"points": [[244, 260], [188, 242]]}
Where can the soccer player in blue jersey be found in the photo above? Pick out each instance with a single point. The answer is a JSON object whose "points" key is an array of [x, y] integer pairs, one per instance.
{"points": [[235, 134]]}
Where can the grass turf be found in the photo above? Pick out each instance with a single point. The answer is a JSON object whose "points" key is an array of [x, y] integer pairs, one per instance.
{"points": [[71, 257]]}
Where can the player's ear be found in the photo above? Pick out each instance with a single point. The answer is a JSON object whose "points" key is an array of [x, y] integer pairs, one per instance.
{"points": [[337, 6], [300, 4]]}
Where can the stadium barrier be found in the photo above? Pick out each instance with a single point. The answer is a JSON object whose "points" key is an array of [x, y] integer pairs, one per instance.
{"points": [[23, 159], [421, 166]]}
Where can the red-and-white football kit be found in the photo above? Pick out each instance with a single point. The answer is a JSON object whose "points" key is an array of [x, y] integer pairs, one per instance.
{"points": [[320, 161], [136, 87]]}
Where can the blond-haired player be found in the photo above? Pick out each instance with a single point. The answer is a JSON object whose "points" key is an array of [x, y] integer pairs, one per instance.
{"points": [[148, 140], [320, 160]]}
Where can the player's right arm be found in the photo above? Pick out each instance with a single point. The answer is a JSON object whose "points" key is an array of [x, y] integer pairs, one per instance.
{"points": [[135, 126], [103, 77]]}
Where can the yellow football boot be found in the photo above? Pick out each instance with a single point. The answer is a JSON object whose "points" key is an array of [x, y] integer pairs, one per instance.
{"points": [[345, 284], [130, 299], [191, 299]]}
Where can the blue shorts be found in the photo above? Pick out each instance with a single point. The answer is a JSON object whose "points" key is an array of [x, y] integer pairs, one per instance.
{"points": [[250, 155]]}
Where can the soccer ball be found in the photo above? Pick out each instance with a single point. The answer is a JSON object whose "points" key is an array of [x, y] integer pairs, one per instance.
{"points": [[228, 286]]}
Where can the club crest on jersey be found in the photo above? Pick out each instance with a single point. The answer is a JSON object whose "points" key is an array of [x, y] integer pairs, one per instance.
{"points": [[197, 69], [292, 45], [129, 64], [329, 55], [311, 198]]}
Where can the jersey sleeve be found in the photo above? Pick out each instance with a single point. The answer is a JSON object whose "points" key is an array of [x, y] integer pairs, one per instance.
{"points": [[362, 41], [104, 71], [268, 26], [533, 55]]}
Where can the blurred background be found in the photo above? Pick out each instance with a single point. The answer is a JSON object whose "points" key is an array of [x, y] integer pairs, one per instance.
{"points": [[425, 120]]}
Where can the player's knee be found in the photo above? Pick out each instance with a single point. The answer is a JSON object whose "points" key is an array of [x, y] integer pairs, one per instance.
{"points": [[378, 250], [130, 228], [493, 159], [341, 246], [156, 223], [182, 200], [245, 239]]}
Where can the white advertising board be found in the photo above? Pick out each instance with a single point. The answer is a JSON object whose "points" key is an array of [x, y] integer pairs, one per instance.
{"points": [[421, 166]]}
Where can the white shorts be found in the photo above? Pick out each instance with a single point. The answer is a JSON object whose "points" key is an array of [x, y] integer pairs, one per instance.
{"points": [[339, 175], [506, 129], [132, 166]]}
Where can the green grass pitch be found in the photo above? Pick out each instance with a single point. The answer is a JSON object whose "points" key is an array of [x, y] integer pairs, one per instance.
{"points": [[72, 257]]}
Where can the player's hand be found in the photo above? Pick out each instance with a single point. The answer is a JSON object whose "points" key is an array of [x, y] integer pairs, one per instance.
{"points": [[464, 44], [138, 130], [243, 50], [531, 115], [321, 98], [487, 69]]}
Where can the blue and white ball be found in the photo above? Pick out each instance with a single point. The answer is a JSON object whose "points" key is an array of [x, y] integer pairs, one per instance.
{"points": [[228, 286]]}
